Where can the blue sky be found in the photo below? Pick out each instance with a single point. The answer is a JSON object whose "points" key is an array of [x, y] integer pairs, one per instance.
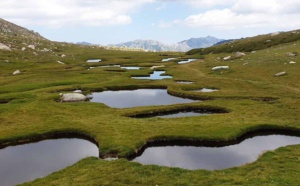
{"points": [[170, 21]]}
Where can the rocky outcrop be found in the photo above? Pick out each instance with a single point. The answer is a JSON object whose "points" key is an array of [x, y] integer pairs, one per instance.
{"points": [[73, 97], [4, 47], [17, 72], [280, 74], [240, 54], [219, 68], [227, 58]]}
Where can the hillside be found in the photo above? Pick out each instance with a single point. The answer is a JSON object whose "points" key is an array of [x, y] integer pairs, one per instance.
{"points": [[251, 43]]}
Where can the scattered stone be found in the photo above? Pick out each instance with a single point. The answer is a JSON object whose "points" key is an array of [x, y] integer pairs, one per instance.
{"points": [[219, 68], [280, 74], [45, 50], [253, 52], [227, 58], [23, 49], [291, 54], [35, 53], [77, 91], [4, 47], [240, 54], [17, 72], [63, 55], [72, 97], [268, 41], [292, 62], [154, 67], [31, 46], [60, 62]]}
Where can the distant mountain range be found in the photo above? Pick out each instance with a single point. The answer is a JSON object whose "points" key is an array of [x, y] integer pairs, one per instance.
{"points": [[183, 46]]}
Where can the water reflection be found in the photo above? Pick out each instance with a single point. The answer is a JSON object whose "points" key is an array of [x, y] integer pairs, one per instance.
{"points": [[94, 60], [214, 158], [167, 59], [134, 98], [27, 162], [206, 90], [154, 76], [187, 61], [185, 82], [131, 68], [182, 114]]}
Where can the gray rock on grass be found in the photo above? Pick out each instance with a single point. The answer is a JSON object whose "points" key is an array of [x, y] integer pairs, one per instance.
{"points": [[4, 47], [280, 74], [72, 97], [219, 68]]}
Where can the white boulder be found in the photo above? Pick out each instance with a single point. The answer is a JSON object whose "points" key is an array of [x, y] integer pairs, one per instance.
{"points": [[72, 97], [4, 47], [292, 62], [240, 54], [227, 58], [17, 72], [219, 68], [280, 74], [63, 55], [23, 48], [154, 67], [31, 46]]}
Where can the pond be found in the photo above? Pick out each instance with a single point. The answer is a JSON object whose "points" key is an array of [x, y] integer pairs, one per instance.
{"points": [[185, 82], [175, 114], [167, 59], [135, 98], [156, 75], [206, 90], [27, 162], [187, 61], [214, 158], [94, 60], [132, 68]]}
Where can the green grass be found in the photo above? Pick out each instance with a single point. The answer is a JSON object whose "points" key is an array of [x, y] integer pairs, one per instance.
{"points": [[253, 97]]}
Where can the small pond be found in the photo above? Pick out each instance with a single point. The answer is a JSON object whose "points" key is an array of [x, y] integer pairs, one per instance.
{"points": [[27, 162], [108, 66], [214, 158], [167, 59], [185, 82], [135, 98], [132, 68], [187, 61], [156, 75], [176, 114], [206, 90], [94, 60]]}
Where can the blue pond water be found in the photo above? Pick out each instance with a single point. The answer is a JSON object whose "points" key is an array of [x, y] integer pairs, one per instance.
{"points": [[156, 75], [135, 98], [27, 162], [214, 158], [94, 60]]}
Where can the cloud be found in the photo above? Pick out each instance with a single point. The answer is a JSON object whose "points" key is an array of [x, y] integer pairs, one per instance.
{"points": [[57, 13]]}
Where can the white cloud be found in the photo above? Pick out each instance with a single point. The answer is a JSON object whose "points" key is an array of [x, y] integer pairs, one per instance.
{"points": [[209, 3], [70, 12]]}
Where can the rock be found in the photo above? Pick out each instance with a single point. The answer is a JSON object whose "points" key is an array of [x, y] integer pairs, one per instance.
{"points": [[291, 54], [31, 46], [292, 62], [23, 49], [17, 72], [280, 74], [253, 52], [77, 91], [219, 68], [240, 54], [227, 58], [268, 41], [72, 97], [63, 55], [4, 47], [60, 62]]}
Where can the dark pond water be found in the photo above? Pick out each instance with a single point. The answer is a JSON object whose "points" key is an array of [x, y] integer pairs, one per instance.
{"points": [[206, 90], [93, 60], [27, 162], [187, 61], [182, 114], [167, 59], [135, 98], [214, 158], [155, 76]]}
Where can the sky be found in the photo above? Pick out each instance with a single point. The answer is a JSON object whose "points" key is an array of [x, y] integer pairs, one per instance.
{"points": [[169, 21]]}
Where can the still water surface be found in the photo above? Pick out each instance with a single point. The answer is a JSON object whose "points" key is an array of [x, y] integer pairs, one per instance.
{"points": [[135, 98], [214, 158], [27, 162], [156, 75]]}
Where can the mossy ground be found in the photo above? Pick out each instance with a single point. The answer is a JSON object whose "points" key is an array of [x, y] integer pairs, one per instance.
{"points": [[254, 98]]}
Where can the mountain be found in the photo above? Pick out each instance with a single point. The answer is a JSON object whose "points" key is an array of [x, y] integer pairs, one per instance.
{"points": [[152, 45], [84, 43], [10, 29]]}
